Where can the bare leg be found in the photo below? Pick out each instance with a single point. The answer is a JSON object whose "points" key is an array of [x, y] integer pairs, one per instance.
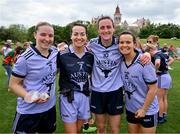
{"points": [[79, 125], [114, 122], [133, 128], [166, 101], [160, 95], [101, 123], [70, 127], [151, 130]]}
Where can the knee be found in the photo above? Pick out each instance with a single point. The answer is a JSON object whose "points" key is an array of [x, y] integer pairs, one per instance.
{"points": [[114, 130], [101, 129]]}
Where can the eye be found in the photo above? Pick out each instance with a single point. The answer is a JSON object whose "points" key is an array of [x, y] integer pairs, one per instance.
{"points": [[51, 35], [121, 42], [102, 27], [75, 34], [108, 27], [43, 34], [128, 42], [83, 34], [125, 42], [149, 41]]}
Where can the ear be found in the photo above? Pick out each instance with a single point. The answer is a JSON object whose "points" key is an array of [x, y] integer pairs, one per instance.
{"points": [[34, 34], [113, 29]]}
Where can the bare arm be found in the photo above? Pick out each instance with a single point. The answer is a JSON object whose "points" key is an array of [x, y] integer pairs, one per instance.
{"points": [[171, 60], [149, 98], [157, 64], [145, 58], [15, 84]]}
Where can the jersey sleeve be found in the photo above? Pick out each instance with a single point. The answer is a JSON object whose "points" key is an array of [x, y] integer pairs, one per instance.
{"points": [[20, 67], [149, 74], [157, 56]]}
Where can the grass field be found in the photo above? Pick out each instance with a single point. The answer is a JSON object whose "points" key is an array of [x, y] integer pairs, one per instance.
{"points": [[176, 42], [8, 105]]}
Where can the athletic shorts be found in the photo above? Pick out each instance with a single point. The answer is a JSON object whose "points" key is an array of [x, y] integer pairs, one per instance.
{"points": [[148, 121], [108, 102], [78, 109], [164, 81], [35, 123]]}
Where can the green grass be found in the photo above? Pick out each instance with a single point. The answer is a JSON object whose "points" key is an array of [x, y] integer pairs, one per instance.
{"points": [[8, 106], [176, 42]]}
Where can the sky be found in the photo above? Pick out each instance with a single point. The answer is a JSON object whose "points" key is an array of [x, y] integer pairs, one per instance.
{"points": [[63, 12]]}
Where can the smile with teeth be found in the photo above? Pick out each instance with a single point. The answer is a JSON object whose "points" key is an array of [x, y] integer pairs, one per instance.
{"points": [[45, 42], [124, 48]]}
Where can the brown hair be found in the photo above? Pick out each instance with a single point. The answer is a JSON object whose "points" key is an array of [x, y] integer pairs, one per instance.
{"points": [[42, 24], [129, 33], [104, 18], [154, 38], [79, 24]]}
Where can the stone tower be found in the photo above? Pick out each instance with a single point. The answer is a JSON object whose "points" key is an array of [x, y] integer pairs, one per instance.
{"points": [[117, 16]]}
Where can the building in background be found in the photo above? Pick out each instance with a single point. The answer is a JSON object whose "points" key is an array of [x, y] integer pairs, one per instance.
{"points": [[138, 24], [117, 16]]}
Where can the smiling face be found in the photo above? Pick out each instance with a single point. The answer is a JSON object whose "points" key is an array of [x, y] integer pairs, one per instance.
{"points": [[105, 30], [78, 36], [126, 44], [44, 36]]}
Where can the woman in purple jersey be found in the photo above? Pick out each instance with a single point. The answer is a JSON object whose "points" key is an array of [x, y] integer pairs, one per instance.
{"points": [[140, 88], [33, 81]]}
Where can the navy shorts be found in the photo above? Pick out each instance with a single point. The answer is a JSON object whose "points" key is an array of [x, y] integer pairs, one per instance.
{"points": [[35, 123], [148, 121], [108, 102]]}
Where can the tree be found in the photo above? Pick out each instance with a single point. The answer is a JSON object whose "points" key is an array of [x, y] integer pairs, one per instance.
{"points": [[162, 30], [30, 36], [15, 32], [92, 31]]}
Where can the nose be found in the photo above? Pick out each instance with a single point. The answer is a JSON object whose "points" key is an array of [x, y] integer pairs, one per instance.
{"points": [[47, 37], [105, 29], [79, 36], [123, 44]]}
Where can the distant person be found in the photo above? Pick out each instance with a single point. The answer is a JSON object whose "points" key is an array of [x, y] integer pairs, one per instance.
{"points": [[153, 39], [10, 59], [75, 63], [178, 51], [171, 51], [140, 88], [6, 48], [165, 49], [161, 63], [26, 45], [17, 44], [33, 81]]}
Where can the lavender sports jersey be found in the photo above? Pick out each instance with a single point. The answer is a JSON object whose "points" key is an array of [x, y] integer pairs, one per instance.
{"points": [[106, 74], [135, 79], [39, 74]]}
